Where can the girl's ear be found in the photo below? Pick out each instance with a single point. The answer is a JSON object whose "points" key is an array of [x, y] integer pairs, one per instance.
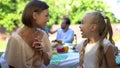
{"points": [[93, 27], [34, 15]]}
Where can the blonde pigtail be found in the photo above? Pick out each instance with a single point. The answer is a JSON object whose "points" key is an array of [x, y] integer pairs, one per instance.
{"points": [[107, 33], [103, 34], [100, 54], [82, 53], [110, 31]]}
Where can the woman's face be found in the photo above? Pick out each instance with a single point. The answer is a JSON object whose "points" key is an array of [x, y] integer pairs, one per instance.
{"points": [[42, 18]]}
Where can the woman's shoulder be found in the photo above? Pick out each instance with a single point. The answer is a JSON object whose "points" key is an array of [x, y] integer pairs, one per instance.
{"points": [[14, 40], [14, 36]]}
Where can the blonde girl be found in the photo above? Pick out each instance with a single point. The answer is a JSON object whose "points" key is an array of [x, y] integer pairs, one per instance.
{"points": [[97, 50]]}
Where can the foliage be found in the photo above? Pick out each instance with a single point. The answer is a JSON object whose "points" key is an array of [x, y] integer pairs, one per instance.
{"points": [[3, 45], [75, 9], [11, 11]]}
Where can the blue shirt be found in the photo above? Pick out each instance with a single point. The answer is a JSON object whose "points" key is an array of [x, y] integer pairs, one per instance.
{"points": [[65, 37]]}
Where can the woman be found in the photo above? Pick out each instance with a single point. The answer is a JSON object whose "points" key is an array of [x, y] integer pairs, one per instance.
{"points": [[29, 47]]}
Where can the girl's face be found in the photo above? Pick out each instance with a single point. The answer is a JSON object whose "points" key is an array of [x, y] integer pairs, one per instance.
{"points": [[85, 27], [41, 18]]}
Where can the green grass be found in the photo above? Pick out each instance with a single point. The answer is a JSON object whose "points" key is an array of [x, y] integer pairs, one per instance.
{"points": [[2, 45]]}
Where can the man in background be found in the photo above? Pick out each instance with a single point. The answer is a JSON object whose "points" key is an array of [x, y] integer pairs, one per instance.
{"points": [[65, 34]]}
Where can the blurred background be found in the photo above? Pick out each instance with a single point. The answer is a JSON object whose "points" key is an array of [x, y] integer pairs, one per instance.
{"points": [[11, 10]]}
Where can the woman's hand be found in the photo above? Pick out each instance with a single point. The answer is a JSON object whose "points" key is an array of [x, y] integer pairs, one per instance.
{"points": [[38, 46], [39, 49]]}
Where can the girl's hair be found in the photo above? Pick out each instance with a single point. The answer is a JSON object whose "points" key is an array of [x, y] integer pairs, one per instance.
{"points": [[105, 31], [32, 6]]}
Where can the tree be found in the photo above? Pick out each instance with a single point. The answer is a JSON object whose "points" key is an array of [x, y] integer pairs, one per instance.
{"points": [[11, 10], [11, 13], [75, 9]]}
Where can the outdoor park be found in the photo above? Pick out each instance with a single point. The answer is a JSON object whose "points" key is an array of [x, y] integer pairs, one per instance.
{"points": [[11, 11]]}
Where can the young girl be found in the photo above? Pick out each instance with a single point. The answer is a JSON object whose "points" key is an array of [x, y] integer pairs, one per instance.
{"points": [[97, 50]]}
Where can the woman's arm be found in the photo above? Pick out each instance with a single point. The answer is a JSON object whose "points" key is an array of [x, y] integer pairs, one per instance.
{"points": [[47, 50], [46, 58], [110, 57], [43, 47]]}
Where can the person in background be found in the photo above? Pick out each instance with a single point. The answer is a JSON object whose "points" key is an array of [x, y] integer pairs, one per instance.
{"points": [[97, 50], [65, 34], [49, 31], [30, 47]]}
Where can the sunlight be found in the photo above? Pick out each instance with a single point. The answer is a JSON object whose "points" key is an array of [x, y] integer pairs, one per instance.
{"points": [[114, 7]]}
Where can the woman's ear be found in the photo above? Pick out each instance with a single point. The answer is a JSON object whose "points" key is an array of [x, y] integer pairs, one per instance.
{"points": [[34, 15]]}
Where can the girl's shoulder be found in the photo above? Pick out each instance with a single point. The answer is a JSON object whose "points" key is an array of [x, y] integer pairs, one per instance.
{"points": [[81, 41], [80, 44], [106, 44]]}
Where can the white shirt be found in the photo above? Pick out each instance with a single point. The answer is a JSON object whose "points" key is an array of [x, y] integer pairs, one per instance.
{"points": [[65, 37], [90, 58]]}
